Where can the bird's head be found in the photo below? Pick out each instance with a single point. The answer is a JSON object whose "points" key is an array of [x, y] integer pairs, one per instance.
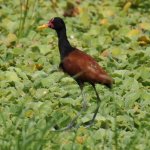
{"points": [[55, 23]]}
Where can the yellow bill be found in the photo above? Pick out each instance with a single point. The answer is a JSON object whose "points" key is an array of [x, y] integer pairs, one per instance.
{"points": [[44, 26]]}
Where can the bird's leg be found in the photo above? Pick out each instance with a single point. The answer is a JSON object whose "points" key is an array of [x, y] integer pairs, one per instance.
{"points": [[90, 122], [84, 103], [83, 106], [71, 124]]}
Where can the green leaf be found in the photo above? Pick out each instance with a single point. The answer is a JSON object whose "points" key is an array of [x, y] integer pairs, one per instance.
{"points": [[11, 76], [44, 49]]}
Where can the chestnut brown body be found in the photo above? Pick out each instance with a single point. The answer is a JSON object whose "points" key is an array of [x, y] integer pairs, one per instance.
{"points": [[84, 68]]}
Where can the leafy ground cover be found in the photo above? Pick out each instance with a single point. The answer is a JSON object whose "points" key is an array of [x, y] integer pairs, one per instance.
{"points": [[35, 95]]}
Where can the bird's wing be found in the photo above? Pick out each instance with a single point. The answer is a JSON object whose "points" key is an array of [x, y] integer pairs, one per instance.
{"points": [[84, 67]]}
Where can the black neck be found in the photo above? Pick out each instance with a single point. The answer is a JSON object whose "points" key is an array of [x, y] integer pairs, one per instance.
{"points": [[64, 46]]}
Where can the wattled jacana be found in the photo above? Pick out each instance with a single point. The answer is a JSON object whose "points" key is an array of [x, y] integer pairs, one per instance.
{"points": [[82, 67]]}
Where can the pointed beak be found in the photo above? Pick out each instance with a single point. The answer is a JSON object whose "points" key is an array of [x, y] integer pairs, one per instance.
{"points": [[44, 26]]}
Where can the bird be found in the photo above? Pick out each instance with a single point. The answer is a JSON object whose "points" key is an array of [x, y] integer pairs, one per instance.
{"points": [[79, 65]]}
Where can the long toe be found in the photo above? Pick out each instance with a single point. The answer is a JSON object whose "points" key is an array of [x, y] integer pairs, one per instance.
{"points": [[88, 123]]}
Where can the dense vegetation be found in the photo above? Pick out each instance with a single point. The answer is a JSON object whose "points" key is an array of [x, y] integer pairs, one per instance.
{"points": [[35, 95]]}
